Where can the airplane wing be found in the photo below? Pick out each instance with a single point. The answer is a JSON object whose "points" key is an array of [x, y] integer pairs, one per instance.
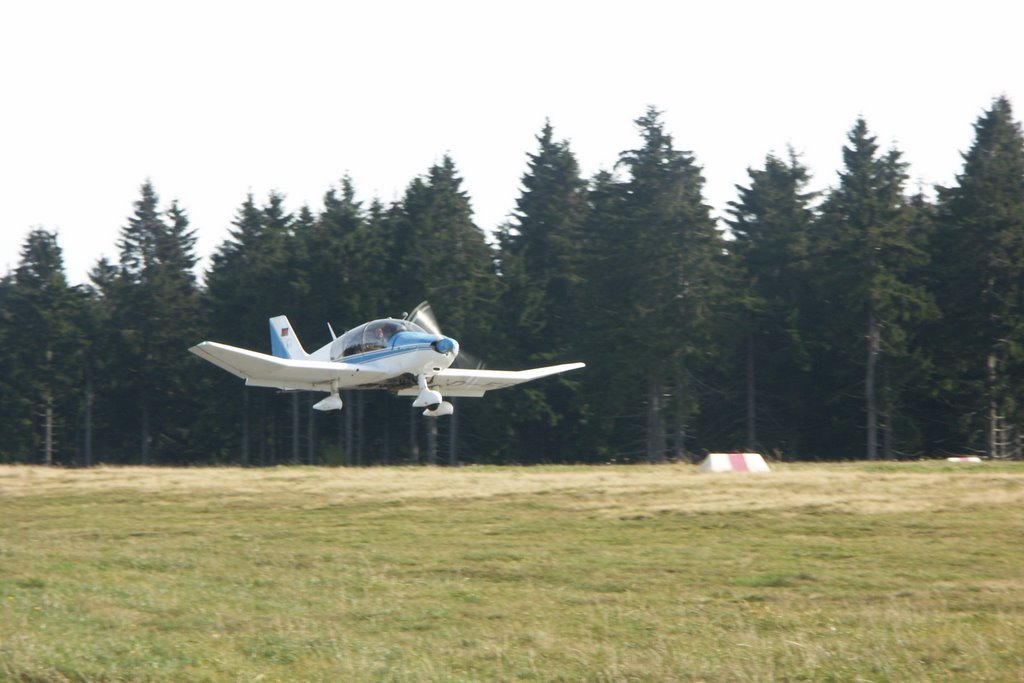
{"points": [[262, 370], [453, 382]]}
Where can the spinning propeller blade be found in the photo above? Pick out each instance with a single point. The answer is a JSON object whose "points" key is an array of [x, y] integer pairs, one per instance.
{"points": [[423, 315], [468, 361]]}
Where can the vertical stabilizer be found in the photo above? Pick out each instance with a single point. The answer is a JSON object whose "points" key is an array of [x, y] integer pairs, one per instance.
{"points": [[284, 343]]}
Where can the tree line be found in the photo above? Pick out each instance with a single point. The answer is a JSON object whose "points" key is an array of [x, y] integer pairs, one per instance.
{"points": [[863, 321]]}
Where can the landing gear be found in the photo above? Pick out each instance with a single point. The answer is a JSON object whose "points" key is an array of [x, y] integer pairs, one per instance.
{"points": [[332, 402], [440, 410], [432, 400]]}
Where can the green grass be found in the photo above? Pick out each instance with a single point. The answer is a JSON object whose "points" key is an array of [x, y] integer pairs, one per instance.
{"points": [[811, 573]]}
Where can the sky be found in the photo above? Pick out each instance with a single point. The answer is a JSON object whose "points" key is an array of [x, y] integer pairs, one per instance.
{"points": [[214, 99]]}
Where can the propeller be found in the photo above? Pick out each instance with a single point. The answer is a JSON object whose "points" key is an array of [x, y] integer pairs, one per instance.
{"points": [[423, 315]]}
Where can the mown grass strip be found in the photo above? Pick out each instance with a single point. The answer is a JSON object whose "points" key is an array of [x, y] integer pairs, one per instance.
{"points": [[812, 573]]}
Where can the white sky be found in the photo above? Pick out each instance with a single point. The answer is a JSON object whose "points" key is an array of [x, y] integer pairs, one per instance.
{"points": [[213, 99]]}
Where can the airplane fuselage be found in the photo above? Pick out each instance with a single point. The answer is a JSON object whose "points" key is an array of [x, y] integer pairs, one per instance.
{"points": [[406, 358], [392, 347]]}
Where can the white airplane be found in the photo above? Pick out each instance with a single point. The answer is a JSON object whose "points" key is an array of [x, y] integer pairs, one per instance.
{"points": [[409, 357]]}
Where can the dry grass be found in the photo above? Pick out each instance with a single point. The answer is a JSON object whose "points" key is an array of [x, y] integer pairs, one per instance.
{"points": [[813, 572], [614, 490]]}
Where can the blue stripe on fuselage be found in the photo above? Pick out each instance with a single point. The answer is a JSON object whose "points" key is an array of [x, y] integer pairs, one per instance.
{"points": [[371, 356]]}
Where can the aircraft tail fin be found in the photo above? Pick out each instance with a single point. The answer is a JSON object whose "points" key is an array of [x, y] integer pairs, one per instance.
{"points": [[284, 343]]}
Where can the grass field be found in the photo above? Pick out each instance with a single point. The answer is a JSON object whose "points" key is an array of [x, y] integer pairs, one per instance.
{"points": [[854, 572]]}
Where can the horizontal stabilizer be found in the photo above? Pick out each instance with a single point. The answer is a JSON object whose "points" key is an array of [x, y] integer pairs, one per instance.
{"points": [[262, 370], [453, 382]]}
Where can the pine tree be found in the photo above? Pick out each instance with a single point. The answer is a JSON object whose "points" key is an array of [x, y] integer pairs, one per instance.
{"points": [[335, 268], [442, 256], [437, 253], [540, 246], [155, 315], [771, 224], [347, 286], [606, 334], [18, 443], [258, 272], [980, 248], [655, 271], [41, 390], [869, 251], [540, 268]]}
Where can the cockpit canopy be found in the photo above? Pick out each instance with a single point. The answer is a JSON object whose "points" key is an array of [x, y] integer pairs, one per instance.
{"points": [[370, 337]]}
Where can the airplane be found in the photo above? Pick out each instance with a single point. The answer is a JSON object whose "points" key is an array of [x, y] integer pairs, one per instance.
{"points": [[408, 356]]}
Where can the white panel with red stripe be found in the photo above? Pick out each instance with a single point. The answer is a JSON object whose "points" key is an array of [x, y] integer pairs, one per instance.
{"points": [[734, 462]]}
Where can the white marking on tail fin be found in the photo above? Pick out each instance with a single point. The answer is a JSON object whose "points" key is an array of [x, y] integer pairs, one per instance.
{"points": [[284, 343]]}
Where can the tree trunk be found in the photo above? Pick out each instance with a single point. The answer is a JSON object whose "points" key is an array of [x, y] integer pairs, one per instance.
{"points": [[145, 435], [310, 435], [432, 441], [992, 440], [655, 422], [682, 416], [48, 407], [246, 436], [360, 428], [886, 426], [269, 457], [751, 398], [349, 459], [341, 431], [295, 428], [89, 398], [386, 456], [869, 385], [414, 447], [48, 437], [453, 457], [263, 430]]}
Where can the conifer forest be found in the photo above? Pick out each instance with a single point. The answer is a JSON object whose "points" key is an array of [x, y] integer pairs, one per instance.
{"points": [[870, 320]]}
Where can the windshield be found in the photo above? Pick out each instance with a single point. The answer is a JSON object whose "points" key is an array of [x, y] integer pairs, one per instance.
{"points": [[374, 335]]}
